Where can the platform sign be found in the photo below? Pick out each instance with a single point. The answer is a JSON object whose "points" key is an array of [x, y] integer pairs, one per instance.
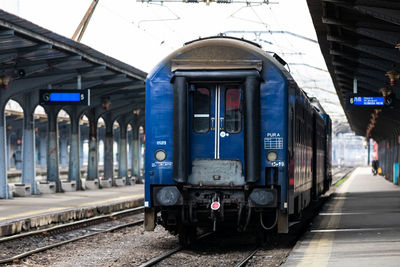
{"points": [[357, 101], [368, 100], [64, 97]]}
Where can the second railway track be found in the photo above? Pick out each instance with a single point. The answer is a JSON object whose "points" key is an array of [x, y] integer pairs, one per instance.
{"points": [[22, 245]]}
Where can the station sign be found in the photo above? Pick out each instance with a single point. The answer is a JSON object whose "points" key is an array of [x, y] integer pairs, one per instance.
{"points": [[358, 101], [64, 97]]}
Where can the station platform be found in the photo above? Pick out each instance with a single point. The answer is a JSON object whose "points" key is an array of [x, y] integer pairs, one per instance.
{"points": [[25, 213], [358, 226]]}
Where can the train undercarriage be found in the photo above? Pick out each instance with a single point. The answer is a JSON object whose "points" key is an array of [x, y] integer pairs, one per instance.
{"points": [[203, 209]]}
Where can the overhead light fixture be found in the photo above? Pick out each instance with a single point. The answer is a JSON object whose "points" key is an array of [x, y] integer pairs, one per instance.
{"points": [[5, 81], [106, 103], [393, 76]]}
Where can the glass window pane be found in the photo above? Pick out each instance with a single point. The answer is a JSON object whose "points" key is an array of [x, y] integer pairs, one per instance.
{"points": [[201, 110], [233, 113]]}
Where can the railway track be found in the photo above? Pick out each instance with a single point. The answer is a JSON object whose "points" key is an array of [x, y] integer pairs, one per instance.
{"points": [[161, 257], [171, 252], [41, 240], [243, 262], [22, 245], [339, 173]]}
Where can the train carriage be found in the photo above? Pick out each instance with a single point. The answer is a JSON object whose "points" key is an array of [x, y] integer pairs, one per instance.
{"points": [[229, 140]]}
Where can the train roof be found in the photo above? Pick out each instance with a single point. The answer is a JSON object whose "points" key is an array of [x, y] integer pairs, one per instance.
{"points": [[220, 52], [223, 36]]}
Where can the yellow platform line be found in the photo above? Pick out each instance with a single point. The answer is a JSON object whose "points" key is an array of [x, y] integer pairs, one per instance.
{"points": [[318, 252], [87, 204]]}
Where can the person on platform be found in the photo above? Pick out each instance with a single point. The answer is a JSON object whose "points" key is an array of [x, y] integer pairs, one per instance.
{"points": [[375, 166]]}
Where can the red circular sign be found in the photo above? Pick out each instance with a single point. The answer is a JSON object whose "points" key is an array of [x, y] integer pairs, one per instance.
{"points": [[215, 205]]}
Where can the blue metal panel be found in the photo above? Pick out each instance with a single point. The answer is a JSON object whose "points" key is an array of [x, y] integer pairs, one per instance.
{"points": [[202, 144], [159, 117], [274, 106], [232, 145]]}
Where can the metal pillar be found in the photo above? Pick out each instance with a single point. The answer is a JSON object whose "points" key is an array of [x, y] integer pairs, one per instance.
{"points": [[135, 151], [141, 148], [130, 146], [8, 150], [81, 156], [18, 150], [74, 170], [43, 149], [92, 161], [52, 148], [4, 189], [63, 148], [355, 86], [123, 156], [28, 145], [109, 149]]}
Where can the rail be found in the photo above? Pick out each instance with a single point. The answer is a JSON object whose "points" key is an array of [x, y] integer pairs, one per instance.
{"points": [[72, 226]]}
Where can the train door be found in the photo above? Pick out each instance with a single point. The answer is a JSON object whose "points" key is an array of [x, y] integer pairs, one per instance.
{"points": [[216, 134]]}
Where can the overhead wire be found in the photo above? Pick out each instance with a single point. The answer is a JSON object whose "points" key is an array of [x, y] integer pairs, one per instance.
{"points": [[249, 5], [160, 19], [131, 23], [301, 75]]}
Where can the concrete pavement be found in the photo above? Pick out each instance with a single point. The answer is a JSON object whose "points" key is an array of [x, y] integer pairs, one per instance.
{"points": [[358, 226], [37, 211]]}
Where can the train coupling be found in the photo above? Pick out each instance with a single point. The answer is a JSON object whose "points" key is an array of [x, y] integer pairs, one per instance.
{"points": [[215, 206]]}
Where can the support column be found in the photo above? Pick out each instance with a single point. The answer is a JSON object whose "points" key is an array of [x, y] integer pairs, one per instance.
{"points": [[43, 149], [92, 161], [18, 149], [63, 148], [123, 156], [28, 146], [109, 150], [8, 149], [130, 146], [142, 145], [74, 169], [4, 189], [135, 151], [81, 156], [52, 148]]}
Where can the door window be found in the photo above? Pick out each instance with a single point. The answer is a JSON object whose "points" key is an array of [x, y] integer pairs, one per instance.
{"points": [[201, 110], [233, 113]]}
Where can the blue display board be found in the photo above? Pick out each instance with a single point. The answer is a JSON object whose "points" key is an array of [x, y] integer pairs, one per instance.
{"points": [[57, 97], [368, 100], [64, 97]]}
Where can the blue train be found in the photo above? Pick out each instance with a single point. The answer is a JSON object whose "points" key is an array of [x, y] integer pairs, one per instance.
{"points": [[231, 141]]}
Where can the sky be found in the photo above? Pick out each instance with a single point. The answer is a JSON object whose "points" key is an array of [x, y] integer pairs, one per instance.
{"points": [[142, 34]]}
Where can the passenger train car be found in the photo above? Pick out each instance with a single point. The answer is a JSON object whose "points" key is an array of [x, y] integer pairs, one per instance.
{"points": [[231, 141]]}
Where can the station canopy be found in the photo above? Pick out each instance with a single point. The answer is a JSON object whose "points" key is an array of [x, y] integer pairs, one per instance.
{"points": [[360, 40], [34, 58]]}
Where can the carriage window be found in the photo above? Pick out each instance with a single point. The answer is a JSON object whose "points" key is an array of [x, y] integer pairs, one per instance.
{"points": [[233, 113], [201, 110]]}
